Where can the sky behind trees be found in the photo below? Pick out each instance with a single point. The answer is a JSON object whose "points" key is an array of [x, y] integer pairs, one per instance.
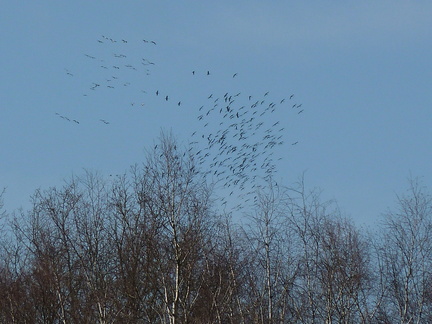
{"points": [[360, 71]]}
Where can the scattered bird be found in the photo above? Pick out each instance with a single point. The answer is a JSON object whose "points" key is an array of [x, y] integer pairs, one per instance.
{"points": [[234, 75]]}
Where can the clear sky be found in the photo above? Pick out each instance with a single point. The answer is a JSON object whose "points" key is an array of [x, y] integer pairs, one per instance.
{"points": [[361, 70]]}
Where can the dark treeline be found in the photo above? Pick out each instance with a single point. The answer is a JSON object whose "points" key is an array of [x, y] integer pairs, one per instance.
{"points": [[150, 247]]}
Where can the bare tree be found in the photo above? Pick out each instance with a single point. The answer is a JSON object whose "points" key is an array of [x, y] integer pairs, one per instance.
{"points": [[223, 295], [334, 278], [407, 257], [177, 199], [135, 233], [269, 237]]}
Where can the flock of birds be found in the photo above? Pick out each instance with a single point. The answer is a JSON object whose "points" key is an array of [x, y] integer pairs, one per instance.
{"points": [[239, 136], [239, 139]]}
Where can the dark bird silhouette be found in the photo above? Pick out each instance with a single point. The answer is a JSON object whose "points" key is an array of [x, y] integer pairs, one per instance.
{"points": [[157, 92], [234, 75], [193, 72], [291, 96], [300, 111], [208, 72], [295, 143], [166, 98], [179, 103], [104, 121]]}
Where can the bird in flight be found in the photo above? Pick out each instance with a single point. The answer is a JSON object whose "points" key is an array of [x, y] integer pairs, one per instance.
{"points": [[166, 98], [104, 121], [234, 75]]}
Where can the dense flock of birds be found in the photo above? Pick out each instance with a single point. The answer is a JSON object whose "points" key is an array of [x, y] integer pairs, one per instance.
{"points": [[239, 135], [239, 140]]}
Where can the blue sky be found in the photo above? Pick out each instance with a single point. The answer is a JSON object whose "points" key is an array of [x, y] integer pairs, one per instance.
{"points": [[361, 70]]}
